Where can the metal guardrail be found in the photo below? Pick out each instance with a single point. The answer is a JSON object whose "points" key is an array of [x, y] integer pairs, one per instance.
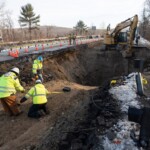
{"points": [[28, 42], [40, 48]]}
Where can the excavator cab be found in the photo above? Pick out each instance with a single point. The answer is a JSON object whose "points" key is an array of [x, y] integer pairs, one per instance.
{"points": [[122, 37]]}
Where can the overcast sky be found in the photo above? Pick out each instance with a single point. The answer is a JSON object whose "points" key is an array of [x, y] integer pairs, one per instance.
{"points": [[66, 13]]}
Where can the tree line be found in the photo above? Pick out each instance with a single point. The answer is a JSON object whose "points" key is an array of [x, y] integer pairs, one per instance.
{"points": [[144, 24]]}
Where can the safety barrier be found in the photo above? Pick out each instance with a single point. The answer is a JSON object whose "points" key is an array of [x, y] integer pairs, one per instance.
{"points": [[42, 47]]}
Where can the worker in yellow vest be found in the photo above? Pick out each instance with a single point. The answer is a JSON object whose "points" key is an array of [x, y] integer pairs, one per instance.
{"points": [[39, 100], [9, 85], [69, 38], [74, 39], [37, 68]]}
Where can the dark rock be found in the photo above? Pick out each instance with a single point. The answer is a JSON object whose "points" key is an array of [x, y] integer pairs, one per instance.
{"points": [[111, 135], [64, 137], [76, 144], [63, 145], [101, 120]]}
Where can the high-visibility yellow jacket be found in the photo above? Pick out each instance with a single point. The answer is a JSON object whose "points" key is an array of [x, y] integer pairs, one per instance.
{"points": [[37, 65], [9, 84], [38, 93]]}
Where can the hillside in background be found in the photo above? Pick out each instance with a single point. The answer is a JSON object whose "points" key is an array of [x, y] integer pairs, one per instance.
{"points": [[44, 32]]}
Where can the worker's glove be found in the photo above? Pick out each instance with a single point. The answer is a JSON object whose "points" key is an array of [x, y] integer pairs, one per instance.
{"points": [[23, 99], [35, 76]]}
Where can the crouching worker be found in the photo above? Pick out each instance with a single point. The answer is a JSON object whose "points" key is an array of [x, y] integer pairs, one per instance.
{"points": [[39, 100], [9, 85]]}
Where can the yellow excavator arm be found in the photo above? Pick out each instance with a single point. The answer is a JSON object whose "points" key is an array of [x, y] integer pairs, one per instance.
{"points": [[112, 38], [132, 31]]}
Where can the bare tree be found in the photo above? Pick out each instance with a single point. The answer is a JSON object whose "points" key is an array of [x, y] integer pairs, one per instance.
{"points": [[147, 7], [6, 24], [2, 5], [145, 21]]}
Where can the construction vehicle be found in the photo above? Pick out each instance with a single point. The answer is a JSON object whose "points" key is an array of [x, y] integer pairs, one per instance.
{"points": [[122, 40]]}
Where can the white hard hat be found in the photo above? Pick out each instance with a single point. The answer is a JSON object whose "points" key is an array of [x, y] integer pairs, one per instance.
{"points": [[15, 69], [38, 81]]}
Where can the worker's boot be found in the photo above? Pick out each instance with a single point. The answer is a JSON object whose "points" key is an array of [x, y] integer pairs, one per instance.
{"points": [[34, 115], [41, 113], [47, 112]]}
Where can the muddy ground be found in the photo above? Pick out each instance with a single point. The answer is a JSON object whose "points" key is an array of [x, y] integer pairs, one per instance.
{"points": [[86, 71]]}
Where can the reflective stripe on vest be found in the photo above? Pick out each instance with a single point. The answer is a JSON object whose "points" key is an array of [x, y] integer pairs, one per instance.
{"points": [[38, 66], [6, 89], [39, 98], [37, 94]]}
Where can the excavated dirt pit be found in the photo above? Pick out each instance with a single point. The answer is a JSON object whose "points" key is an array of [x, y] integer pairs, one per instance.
{"points": [[76, 117]]}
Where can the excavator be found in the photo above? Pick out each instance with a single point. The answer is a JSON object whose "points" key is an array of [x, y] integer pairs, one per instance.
{"points": [[122, 40]]}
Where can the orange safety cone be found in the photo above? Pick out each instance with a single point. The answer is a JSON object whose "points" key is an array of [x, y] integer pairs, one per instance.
{"points": [[42, 47], [17, 51], [16, 54], [36, 48], [26, 50], [77, 42], [60, 44], [51, 46]]}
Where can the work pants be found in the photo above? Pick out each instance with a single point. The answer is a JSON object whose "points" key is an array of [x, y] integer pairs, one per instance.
{"points": [[38, 110], [40, 76], [10, 105]]}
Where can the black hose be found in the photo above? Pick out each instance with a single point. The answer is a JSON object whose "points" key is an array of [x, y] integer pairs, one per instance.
{"points": [[105, 109]]}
